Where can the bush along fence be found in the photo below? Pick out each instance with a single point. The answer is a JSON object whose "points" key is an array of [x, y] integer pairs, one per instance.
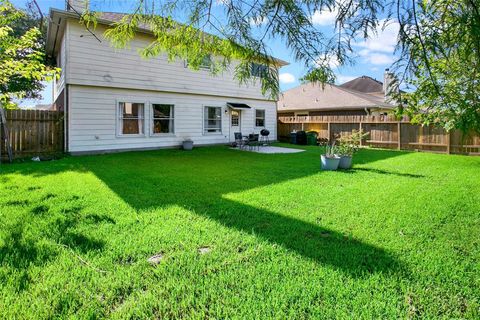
{"points": [[383, 131], [32, 133]]}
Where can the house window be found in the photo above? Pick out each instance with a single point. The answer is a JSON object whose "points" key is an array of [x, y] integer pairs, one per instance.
{"points": [[213, 120], [258, 70], [162, 118], [131, 118], [205, 64], [235, 118], [259, 118]]}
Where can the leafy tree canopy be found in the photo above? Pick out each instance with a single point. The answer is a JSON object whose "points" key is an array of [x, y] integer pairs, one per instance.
{"points": [[438, 43], [21, 57]]}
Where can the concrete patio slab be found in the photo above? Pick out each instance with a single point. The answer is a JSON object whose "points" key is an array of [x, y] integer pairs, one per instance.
{"points": [[271, 150]]}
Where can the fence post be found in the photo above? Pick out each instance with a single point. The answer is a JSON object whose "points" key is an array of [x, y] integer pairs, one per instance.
{"points": [[360, 128], [399, 129], [447, 139], [329, 135]]}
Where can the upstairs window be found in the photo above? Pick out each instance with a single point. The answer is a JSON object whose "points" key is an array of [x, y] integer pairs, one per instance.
{"points": [[259, 118], [131, 118], [162, 118], [258, 70], [212, 120], [205, 64]]}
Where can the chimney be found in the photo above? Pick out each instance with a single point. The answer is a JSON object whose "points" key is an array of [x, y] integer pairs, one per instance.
{"points": [[390, 86], [77, 6]]}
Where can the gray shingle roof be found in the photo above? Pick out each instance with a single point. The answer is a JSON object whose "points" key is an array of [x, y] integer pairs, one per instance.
{"points": [[310, 96], [364, 84]]}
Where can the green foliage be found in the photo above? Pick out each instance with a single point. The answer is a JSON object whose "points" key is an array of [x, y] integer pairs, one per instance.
{"points": [[438, 44], [21, 57], [393, 238], [443, 44], [349, 144]]}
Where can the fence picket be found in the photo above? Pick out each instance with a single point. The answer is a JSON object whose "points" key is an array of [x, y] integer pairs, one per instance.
{"points": [[384, 131], [34, 133]]}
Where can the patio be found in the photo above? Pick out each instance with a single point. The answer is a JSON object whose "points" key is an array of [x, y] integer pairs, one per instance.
{"points": [[270, 149]]}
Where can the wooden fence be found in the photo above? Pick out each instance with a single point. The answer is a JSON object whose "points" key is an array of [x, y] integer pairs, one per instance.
{"points": [[33, 133], [383, 131]]}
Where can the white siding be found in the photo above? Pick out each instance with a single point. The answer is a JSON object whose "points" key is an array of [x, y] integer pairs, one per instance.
{"points": [[61, 63], [92, 118], [98, 64]]}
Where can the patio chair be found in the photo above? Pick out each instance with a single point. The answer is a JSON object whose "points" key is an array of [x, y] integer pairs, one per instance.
{"points": [[239, 140], [253, 142]]}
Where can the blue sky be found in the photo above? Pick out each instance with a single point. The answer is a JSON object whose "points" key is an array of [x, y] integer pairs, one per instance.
{"points": [[371, 57]]}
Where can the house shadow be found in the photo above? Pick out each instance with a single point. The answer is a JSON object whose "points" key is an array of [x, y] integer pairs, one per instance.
{"points": [[199, 182]]}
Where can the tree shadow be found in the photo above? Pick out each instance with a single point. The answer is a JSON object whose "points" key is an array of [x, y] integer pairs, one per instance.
{"points": [[25, 247], [199, 181], [385, 172]]}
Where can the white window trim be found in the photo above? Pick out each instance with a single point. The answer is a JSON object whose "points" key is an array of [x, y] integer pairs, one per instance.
{"points": [[150, 122], [255, 118], [200, 67], [117, 118], [221, 120]]}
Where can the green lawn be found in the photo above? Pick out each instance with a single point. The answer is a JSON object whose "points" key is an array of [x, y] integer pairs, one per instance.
{"points": [[395, 237]]}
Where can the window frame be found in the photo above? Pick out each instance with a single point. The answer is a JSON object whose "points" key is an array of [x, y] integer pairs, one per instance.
{"points": [[264, 118], [257, 66], [118, 134], [152, 119], [201, 66], [203, 120], [238, 118]]}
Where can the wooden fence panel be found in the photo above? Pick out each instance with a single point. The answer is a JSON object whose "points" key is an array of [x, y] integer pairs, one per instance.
{"points": [[385, 132], [34, 133]]}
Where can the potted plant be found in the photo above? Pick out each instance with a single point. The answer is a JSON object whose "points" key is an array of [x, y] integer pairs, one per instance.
{"points": [[329, 160], [187, 144], [348, 145]]}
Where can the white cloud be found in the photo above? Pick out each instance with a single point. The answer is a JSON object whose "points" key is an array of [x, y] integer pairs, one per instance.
{"points": [[286, 78], [258, 21], [222, 2], [379, 48], [324, 17], [379, 58], [383, 39], [330, 60]]}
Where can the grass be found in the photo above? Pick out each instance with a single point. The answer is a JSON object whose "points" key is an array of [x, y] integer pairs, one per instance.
{"points": [[395, 237]]}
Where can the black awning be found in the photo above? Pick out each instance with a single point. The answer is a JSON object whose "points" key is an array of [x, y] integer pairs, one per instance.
{"points": [[238, 105]]}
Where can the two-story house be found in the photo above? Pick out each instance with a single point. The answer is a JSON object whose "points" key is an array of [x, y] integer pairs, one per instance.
{"points": [[115, 100]]}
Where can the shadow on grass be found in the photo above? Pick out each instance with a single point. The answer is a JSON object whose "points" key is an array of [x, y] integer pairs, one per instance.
{"points": [[25, 247], [385, 172], [198, 180]]}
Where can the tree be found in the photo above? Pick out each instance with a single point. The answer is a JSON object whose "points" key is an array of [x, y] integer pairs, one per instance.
{"points": [[443, 46], [21, 57], [438, 43]]}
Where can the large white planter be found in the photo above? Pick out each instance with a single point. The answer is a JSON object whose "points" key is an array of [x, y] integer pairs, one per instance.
{"points": [[329, 163], [345, 162]]}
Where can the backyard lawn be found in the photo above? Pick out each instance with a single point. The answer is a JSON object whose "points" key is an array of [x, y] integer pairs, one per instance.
{"points": [[240, 235]]}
